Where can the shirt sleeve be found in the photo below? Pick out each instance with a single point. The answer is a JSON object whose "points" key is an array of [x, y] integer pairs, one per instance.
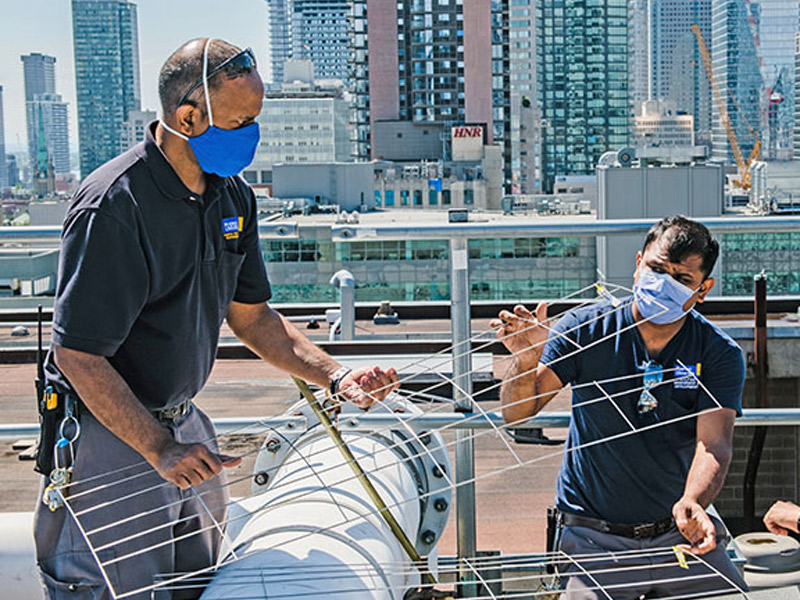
{"points": [[103, 283], [723, 379], [560, 352], [253, 285]]}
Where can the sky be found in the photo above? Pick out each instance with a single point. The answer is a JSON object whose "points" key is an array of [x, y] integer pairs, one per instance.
{"points": [[46, 26]]}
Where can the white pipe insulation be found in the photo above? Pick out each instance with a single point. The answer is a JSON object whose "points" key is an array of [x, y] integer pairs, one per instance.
{"points": [[311, 530]]}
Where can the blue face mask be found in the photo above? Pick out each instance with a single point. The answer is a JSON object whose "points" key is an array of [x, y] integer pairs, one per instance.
{"points": [[659, 298], [225, 152]]}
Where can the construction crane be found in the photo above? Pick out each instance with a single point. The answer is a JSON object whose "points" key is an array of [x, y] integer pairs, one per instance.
{"points": [[743, 165]]}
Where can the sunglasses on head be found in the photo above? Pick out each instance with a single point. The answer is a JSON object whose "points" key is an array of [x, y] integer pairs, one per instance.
{"points": [[237, 65], [653, 376]]}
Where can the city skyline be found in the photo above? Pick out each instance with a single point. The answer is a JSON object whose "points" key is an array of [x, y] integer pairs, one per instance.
{"points": [[46, 27]]}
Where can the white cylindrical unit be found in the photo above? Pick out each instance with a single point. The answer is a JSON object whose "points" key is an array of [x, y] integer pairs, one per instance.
{"points": [[312, 530]]}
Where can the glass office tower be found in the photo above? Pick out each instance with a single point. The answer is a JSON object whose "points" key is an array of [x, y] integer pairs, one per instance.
{"points": [[106, 40], [582, 80], [734, 30]]}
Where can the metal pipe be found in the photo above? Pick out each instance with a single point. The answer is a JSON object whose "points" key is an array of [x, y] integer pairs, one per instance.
{"points": [[517, 228], [52, 233], [460, 319], [760, 433], [769, 417], [347, 303], [545, 228]]}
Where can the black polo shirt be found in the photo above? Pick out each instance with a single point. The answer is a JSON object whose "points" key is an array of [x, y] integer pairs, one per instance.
{"points": [[148, 270]]}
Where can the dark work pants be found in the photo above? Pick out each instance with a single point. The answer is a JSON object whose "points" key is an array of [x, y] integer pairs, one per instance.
{"points": [[136, 536], [605, 565]]}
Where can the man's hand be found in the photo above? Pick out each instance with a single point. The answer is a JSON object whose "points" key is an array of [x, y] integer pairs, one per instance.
{"points": [[364, 387], [522, 333], [781, 518], [695, 525], [186, 465]]}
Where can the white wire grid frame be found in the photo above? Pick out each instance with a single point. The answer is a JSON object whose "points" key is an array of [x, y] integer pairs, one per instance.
{"points": [[84, 512]]}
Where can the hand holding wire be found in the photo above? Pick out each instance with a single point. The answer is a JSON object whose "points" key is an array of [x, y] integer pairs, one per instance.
{"points": [[363, 387]]}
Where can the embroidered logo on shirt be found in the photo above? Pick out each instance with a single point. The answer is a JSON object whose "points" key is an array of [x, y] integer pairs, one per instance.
{"points": [[231, 227], [686, 377]]}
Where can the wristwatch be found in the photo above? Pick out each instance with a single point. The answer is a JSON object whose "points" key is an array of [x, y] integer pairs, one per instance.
{"points": [[336, 379]]}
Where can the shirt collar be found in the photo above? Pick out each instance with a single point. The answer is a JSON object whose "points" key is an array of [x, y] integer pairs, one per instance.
{"points": [[165, 177]]}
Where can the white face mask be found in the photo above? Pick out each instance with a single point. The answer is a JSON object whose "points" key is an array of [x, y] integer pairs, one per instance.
{"points": [[660, 298]]}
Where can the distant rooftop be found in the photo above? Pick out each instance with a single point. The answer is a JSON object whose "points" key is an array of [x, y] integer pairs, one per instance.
{"points": [[422, 217]]}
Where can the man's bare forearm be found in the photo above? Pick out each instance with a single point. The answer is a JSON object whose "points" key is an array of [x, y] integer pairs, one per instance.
{"points": [[268, 334], [112, 402], [526, 390], [707, 473]]}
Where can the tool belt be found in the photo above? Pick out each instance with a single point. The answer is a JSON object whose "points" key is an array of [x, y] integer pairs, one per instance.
{"points": [[641, 530], [173, 412]]}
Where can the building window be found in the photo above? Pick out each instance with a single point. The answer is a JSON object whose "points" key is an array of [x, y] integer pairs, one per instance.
{"points": [[388, 199], [404, 197], [377, 197], [250, 176], [417, 197], [469, 197], [433, 197], [446, 197]]}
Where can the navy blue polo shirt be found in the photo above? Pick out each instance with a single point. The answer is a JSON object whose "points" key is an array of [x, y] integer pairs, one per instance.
{"points": [[635, 477], [148, 270]]}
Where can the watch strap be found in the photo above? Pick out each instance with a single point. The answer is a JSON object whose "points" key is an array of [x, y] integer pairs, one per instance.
{"points": [[336, 379]]}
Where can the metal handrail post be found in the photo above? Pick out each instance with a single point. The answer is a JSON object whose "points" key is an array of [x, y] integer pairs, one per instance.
{"points": [[460, 318]]}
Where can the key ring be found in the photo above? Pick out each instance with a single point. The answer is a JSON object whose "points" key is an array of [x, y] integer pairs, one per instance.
{"points": [[70, 418]]}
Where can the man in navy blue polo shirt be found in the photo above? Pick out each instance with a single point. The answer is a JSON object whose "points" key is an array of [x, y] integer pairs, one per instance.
{"points": [[160, 245], [655, 391]]}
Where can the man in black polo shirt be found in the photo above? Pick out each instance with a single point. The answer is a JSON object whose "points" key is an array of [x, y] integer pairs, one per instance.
{"points": [[159, 247], [655, 391]]}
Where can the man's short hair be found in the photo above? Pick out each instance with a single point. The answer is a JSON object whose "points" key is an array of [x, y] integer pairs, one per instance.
{"points": [[683, 237], [184, 67]]}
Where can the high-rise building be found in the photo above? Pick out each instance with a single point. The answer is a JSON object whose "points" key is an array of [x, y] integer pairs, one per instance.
{"points": [[309, 29], [12, 170], [52, 111], [105, 35], [40, 74], [734, 31], [639, 50], [3, 167], [432, 62], [41, 100], [525, 118], [582, 81], [676, 67], [797, 96], [44, 180], [303, 123], [279, 38], [778, 26]]}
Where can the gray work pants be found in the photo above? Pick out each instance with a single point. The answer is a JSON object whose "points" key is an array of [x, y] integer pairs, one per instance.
{"points": [[626, 568], [140, 526]]}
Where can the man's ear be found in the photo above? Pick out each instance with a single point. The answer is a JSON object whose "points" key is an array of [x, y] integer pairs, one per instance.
{"points": [[706, 287], [187, 117]]}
